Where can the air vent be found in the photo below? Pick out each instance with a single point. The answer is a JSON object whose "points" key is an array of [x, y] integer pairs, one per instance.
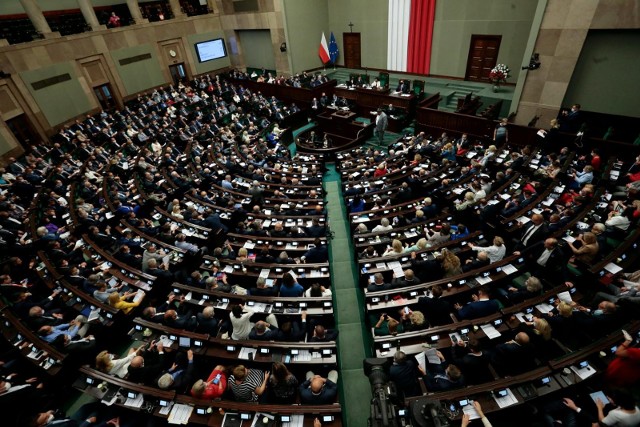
{"points": [[137, 58], [41, 84], [245, 6]]}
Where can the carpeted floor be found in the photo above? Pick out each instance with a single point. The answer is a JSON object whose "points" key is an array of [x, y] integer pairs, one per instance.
{"points": [[354, 341]]}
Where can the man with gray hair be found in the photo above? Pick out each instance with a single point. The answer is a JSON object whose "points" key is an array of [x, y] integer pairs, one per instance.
{"points": [[262, 289], [378, 284], [405, 373]]}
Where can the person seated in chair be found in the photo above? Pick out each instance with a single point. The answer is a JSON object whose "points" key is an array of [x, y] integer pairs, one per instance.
{"points": [[481, 306], [443, 376]]}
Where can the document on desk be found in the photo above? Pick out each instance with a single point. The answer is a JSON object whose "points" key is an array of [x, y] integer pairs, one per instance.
{"points": [[249, 244], [471, 411], [135, 402], [396, 267], [509, 269], [302, 356], [544, 308], [612, 268], [508, 400], [490, 331], [565, 297], [583, 373], [265, 272], [245, 351], [483, 280], [180, 414], [296, 421], [166, 409], [259, 418]]}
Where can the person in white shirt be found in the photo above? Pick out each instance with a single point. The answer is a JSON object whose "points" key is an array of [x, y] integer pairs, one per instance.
{"points": [[384, 226], [107, 363], [241, 322], [496, 251]]}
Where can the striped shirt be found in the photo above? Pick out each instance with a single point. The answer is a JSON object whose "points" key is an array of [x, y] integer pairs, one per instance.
{"points": [[246, 390]]}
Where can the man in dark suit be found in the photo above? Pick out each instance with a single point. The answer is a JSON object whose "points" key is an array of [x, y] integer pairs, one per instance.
{"points": [[146, 368], [436, 309], [317, 254], [481, 306], [544, 259], [262, 290], [514, 357], [179, 376], [378, 284], [263, 331], [535, 232], [404, 373], [443, 376], [472, 361], [402, 87], [409, 279]]}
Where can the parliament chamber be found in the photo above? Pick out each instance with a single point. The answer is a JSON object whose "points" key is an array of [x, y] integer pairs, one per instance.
{"points": [[197, 230]]}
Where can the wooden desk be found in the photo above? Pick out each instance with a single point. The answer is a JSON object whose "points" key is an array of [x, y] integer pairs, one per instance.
{"points": [[371, 99]]}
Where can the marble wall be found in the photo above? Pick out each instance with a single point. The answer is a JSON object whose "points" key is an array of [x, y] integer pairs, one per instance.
{"points": [[562, 35]]}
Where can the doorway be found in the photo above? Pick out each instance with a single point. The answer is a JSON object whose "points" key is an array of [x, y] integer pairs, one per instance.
{"points": [[351, 49], [483, 56], [105, 96], [178, 73], [24, 132]]}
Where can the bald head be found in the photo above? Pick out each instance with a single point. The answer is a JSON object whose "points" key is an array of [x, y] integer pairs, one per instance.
{"points": [[316, 385], [137, 362]]}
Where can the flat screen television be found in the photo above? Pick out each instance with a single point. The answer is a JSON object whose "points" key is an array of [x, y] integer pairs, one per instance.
{"points": [[210, 50]]}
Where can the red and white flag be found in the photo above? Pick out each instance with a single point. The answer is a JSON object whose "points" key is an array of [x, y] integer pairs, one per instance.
{"points": [[323, 50], [410, 33]]}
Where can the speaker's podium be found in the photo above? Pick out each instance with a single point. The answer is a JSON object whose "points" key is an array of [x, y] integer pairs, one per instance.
{"points": [[342, 129], [339, 115]]}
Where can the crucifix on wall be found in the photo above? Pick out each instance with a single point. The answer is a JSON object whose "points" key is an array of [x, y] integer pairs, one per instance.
{"points": [[350, 26]]}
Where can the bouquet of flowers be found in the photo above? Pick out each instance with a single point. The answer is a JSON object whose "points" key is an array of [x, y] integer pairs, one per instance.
{"points": [[499, 74]]}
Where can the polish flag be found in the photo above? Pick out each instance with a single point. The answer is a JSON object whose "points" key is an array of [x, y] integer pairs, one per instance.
{"points": [[323, 50]]}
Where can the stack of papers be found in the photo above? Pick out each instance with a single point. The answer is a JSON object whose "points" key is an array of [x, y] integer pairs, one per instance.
{"points": [[509, 269], [296, 421], [483, 280], [302, 356], [544, 308], [507, 400], [583, 373], [245, 351], [135, 403], [180, 414], [565, 297], [471, 411], [612, 268], [432, 356], [490, 331]]}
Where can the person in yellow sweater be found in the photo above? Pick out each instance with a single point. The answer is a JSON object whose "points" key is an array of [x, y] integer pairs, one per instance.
{"points": [[121, 303]]}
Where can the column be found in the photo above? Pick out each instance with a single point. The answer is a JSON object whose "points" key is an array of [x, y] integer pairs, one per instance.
{"points": [[134, 9], [35, 16], [90, 15], [176, 10]]}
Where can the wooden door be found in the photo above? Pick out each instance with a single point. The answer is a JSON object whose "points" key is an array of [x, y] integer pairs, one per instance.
{"points": [[351, 49], [24, 132], [483, 55]]}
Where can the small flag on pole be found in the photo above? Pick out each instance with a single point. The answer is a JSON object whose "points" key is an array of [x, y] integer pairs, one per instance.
{"points": [[333, 48], [323, 50]]}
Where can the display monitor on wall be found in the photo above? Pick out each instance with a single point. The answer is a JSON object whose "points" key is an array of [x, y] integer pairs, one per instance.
{"points": [[210, 50]]}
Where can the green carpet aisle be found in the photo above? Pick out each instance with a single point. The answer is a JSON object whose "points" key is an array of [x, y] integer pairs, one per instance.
{"points": [[354, 341]]}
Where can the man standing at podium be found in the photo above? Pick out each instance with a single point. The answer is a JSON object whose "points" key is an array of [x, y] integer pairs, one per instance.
{"points": [[381, 124]]}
